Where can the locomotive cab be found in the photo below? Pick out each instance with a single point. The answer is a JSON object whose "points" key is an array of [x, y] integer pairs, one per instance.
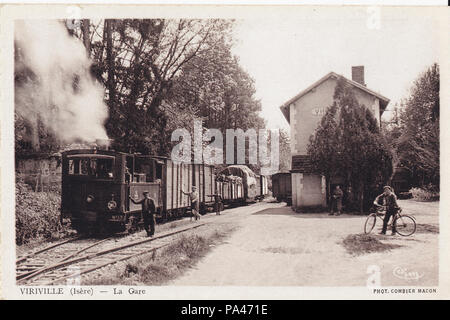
{"points": [[97, 186], [145, 174], [90, 187]]}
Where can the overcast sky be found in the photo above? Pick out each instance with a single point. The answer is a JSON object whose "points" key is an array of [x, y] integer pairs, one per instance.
{"points": [[284, 56]]}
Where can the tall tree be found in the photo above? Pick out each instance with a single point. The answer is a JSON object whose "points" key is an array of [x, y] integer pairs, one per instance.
{"points": [[348, 143], [418, 143], [138, 60], [214, 87], [219, 89]]}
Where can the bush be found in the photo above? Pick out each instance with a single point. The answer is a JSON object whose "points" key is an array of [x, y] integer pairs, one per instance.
{"points": [[427, 193], [37, 214]]}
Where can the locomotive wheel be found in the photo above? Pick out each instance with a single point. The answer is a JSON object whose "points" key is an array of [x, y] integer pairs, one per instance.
{"points": [[132, 225]]}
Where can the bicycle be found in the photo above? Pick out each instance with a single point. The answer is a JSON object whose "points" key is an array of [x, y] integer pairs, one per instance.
{"points": [[405, 225]]}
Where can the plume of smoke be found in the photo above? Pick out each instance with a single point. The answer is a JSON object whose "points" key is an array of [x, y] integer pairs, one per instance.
{"points": [[59, 90]]}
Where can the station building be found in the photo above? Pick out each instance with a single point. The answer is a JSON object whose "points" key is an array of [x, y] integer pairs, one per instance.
{"points": [[303, 113]]}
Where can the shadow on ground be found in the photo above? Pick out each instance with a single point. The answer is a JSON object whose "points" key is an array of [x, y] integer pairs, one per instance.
{"points": [[426, 228], [287, 211]]}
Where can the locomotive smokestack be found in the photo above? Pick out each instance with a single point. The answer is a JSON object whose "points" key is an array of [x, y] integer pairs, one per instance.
{"points": [[104, 144]]}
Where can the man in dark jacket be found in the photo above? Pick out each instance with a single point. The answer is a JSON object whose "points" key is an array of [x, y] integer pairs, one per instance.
{"points": [[148, 213], [217, 202], [389, 200], [336, 200]]}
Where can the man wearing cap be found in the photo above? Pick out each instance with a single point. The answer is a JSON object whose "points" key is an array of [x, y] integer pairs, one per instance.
{"points": [[148, 213], [194, 202], [217, 202], [389, 200]]}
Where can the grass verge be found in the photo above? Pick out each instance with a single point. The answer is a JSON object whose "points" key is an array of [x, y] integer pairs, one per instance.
{"points": [[38, 216], [358, 244], [168, 264]]}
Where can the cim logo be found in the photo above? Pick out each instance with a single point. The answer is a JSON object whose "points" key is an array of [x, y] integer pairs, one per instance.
{"points": [[405, 274], [318, 112]]}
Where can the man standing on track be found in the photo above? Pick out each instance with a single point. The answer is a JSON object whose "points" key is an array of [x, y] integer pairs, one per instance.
{"points": [[194, 202], [148, 213]]}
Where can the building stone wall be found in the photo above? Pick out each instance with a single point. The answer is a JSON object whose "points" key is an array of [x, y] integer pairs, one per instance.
{"points": [[42, 173]]}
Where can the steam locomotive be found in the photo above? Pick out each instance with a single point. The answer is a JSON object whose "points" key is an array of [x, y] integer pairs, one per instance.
{"points": [[97, 184]]}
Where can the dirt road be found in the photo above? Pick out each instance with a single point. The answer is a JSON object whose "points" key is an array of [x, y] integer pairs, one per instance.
{"points": [[277, 247]]}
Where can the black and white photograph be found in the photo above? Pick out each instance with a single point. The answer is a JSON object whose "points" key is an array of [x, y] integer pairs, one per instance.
{"points": [[247, 151]]}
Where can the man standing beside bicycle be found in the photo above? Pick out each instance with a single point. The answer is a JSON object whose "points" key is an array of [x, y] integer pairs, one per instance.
{"points": [[389, 200]]}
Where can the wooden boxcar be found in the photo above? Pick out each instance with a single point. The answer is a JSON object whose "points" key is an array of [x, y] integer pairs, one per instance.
{"points": [[97, 185], [282, 187], [181, 176]]}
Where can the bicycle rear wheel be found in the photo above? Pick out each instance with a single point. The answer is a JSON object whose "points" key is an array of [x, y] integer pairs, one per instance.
{"points": [[405, 225], [370, 223]]}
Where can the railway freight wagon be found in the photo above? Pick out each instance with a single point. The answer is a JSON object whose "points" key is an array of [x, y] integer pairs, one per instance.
{"points": [[182, 177], [230, 188], [252, 183], [97, 186], [282, 187]]}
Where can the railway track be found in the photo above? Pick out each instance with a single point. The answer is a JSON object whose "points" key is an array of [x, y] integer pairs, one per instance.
{"points": [[67, 261]]}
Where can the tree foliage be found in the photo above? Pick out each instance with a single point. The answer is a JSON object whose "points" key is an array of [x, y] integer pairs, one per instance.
{"points": [[220, 90], [418, 141], [285, 151], [138, 61], [348, 143], [213, 87], [161, 74]]}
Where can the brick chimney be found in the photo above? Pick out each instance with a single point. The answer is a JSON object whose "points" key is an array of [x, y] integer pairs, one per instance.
{"points": [[358, 74]]}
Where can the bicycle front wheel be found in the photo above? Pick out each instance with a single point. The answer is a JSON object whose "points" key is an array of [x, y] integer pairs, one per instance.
{"points": [[405, 225], [370, 223]]}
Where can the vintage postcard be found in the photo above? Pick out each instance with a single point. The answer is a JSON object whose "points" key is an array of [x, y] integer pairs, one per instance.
{"points": [[224, 152]]}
